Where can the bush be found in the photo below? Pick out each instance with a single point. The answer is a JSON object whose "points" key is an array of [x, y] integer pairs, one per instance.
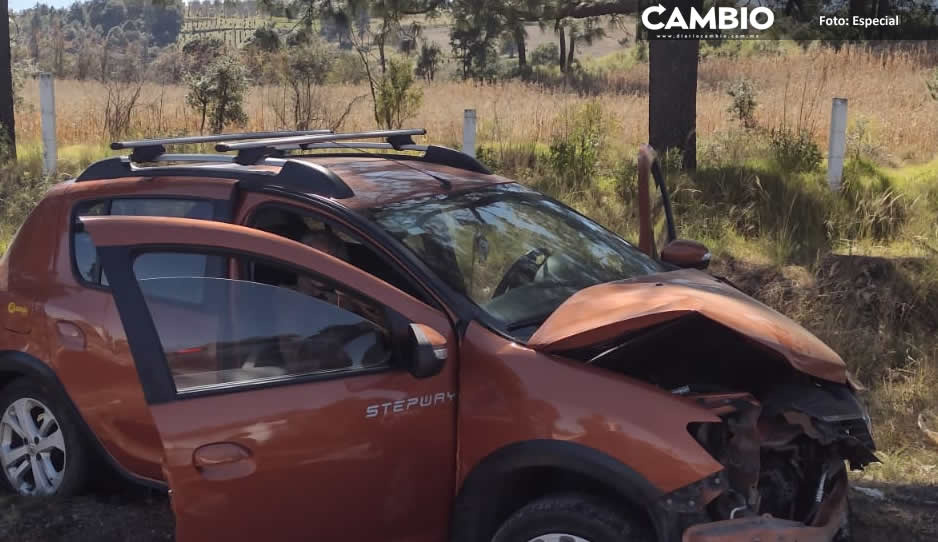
{"points": [[347, 68], [871, 205], [861, 142], [396, 97], [743, 104], [514, 159], [575, 149], [640, 52], [795, 151], [21, 188], [545, 54]]}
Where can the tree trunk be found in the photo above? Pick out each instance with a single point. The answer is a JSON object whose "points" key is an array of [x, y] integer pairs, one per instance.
{"points": [[381, 58], [883, 8], [522, 48], [572, 40], [672, 97], [563, 48], [6, 83], [857, 7]]}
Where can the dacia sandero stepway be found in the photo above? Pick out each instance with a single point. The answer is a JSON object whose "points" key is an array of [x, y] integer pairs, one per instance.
{"points": [[320, 336]]}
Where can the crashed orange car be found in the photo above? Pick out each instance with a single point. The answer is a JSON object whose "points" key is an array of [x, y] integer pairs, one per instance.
{"points": [[322, 336]]}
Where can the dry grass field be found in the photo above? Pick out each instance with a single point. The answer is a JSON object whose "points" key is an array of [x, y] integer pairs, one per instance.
{"points": [[886, 90]]}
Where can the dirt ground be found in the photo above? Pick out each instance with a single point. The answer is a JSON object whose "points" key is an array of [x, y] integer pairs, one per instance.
{"points": [[115, 514], [903, 514]]}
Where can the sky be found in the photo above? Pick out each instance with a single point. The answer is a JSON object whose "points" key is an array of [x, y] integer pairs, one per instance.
{"points": [[18, 5]]}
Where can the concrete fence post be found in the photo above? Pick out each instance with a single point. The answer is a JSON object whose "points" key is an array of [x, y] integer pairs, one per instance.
{"points": [[837, 144], [47, 119], [469, 132]]}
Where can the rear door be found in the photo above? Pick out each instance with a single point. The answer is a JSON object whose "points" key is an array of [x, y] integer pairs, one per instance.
{"points": [[285, 414]]}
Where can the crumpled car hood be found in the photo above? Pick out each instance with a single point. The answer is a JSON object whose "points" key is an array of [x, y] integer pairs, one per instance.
{"points": [[599, 313]]}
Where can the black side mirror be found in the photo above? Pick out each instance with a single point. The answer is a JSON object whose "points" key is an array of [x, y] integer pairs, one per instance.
{"points": [[427, 351]]}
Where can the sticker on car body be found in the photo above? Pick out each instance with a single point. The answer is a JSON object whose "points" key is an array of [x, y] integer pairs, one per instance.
{"points": [[403, 405]]}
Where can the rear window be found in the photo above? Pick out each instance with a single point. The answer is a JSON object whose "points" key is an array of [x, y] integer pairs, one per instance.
{"points": [[85, 254]]}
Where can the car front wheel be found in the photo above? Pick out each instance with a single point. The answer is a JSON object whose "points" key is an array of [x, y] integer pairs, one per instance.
{"points": [[571, 518], [41, 450]]}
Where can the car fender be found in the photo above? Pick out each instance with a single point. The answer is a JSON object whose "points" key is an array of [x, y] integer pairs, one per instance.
{"points": [[17, 364], [476, 514]]}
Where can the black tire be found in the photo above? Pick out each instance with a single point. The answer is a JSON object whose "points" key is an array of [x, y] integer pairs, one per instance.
{"points": [[577, 515], [77, 453]]}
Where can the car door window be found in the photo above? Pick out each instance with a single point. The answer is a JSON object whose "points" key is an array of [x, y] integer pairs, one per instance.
{"points": [[83, 250], [257, 332]]}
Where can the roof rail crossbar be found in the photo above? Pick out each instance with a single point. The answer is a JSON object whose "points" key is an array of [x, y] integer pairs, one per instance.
{"points": [[214, 138], [323, 138], [146, 150], [296, 175]]}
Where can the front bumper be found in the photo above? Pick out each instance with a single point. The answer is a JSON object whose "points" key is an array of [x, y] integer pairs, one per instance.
{"points": [[831, 516]]}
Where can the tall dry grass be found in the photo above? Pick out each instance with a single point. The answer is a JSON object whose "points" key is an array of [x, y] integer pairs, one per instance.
{"points": [[885, 89]]}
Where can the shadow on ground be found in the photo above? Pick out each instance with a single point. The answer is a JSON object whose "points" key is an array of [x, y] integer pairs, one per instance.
{"points": [[114, 514], [898, 514]]}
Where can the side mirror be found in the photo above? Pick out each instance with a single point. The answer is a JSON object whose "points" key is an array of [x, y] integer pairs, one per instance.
{"points": [[686, 253], [428, 351]]}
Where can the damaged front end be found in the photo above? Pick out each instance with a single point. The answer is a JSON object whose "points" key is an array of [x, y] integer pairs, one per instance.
{"points": [[785, 475], [789, 417]]}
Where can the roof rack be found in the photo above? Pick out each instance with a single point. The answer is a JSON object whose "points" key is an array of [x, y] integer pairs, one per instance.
{"points": [[269, 148], [146, 150], [253, 152]]}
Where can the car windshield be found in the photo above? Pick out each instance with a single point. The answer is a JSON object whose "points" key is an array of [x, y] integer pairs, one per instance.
{"points": [[514, 252]]}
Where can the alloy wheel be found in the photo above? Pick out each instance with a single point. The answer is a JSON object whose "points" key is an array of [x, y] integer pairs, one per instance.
{"points": [[32, 447], [558, 537]]}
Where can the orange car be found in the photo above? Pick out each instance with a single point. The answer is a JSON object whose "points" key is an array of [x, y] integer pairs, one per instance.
{"points": [[399, 345]]}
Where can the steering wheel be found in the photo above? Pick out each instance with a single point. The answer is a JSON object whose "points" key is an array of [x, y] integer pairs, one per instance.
{"points": [[522, 271]]}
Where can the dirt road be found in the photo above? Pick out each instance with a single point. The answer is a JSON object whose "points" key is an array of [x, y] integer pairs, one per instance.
{"points": [[904, 514]]}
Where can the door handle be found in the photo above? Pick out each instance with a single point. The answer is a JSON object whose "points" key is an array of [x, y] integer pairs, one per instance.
{"points": [[223, 461]]}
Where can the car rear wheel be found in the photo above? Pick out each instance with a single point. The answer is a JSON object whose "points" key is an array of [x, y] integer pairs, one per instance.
{"points": [[571, 518], [41, 450]]}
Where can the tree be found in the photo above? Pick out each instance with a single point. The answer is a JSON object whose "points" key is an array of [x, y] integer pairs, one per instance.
{"points": [[672, 91], [473, 36], [429, 60], [163, 22], [397, 97], [199, 96], [265, 38], [7, 120], [229, 83], [305, 70], [218, 94]]}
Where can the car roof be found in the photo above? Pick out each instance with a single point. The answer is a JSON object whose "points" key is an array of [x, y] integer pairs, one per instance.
{"points": [[378, 180], [369, 180]]}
